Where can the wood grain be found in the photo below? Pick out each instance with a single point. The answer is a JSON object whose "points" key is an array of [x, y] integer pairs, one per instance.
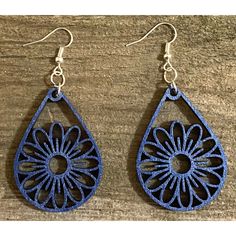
{"points": [[116, 90]]}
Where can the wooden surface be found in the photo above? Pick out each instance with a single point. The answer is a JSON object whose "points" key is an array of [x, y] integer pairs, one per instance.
{"points": [[116, 90]]}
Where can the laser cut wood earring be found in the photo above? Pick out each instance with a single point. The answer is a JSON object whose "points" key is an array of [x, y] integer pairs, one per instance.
{"points": [[193, 145], [57, 168]]}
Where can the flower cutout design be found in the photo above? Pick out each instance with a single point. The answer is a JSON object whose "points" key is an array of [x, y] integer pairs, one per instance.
{"points": [[58, 170], [181, 169]]}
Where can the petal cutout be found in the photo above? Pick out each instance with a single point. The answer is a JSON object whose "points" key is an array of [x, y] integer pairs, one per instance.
{"points": [[177, 132], [56, 133], [211, 161], [71, 139], [156, 149], [201, 191], [85, 178], [209, 146], [89, 163], [162, 137], [194, 133], [84, 148], [42, 141], [27, 166]]}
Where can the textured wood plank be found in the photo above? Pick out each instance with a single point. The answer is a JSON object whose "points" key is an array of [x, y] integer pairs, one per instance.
{"points": [[116, 90]]}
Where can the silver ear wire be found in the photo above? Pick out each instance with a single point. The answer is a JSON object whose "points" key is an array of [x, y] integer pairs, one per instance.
{"points": [[167, 56], [151, 30], [59, 59], [52, 32]]}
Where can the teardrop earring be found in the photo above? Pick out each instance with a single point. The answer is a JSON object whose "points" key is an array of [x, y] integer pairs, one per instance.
{"points": [[201, 163], [57, 168]]}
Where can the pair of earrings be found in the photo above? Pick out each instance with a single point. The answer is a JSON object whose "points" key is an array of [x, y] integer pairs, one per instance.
{"points": [[68, 188]]}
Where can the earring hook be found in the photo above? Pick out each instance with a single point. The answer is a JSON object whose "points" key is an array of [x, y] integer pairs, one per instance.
{"points": [[58, 71], [52, 32], [151, 30], [168, 68]]}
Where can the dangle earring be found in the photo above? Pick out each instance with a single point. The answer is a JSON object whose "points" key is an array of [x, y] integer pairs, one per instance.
{"points": [[192, 145], [57, 166]]}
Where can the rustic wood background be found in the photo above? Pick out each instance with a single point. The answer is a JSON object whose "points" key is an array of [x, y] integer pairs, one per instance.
{"points": [[116, 90]]}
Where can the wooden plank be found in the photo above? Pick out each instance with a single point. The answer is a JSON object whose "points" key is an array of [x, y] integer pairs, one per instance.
{"points": [[116, 90]]}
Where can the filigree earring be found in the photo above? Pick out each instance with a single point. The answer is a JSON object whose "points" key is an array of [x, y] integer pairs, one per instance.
{"points": [[192, 144], [57, 166]]}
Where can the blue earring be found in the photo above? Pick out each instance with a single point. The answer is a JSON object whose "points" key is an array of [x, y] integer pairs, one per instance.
{"points": [[57, 168], [193, 146]]}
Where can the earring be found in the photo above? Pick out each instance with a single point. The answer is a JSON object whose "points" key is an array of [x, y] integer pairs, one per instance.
{"points": [[193, 146], [57, 168]]}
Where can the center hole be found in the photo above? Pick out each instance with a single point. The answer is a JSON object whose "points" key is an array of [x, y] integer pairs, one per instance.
{"points": [[181, 164], [58, 164]]}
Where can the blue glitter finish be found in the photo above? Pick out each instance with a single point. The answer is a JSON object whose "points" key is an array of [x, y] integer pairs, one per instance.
{"points": [[201, 182], [44, 188]]}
